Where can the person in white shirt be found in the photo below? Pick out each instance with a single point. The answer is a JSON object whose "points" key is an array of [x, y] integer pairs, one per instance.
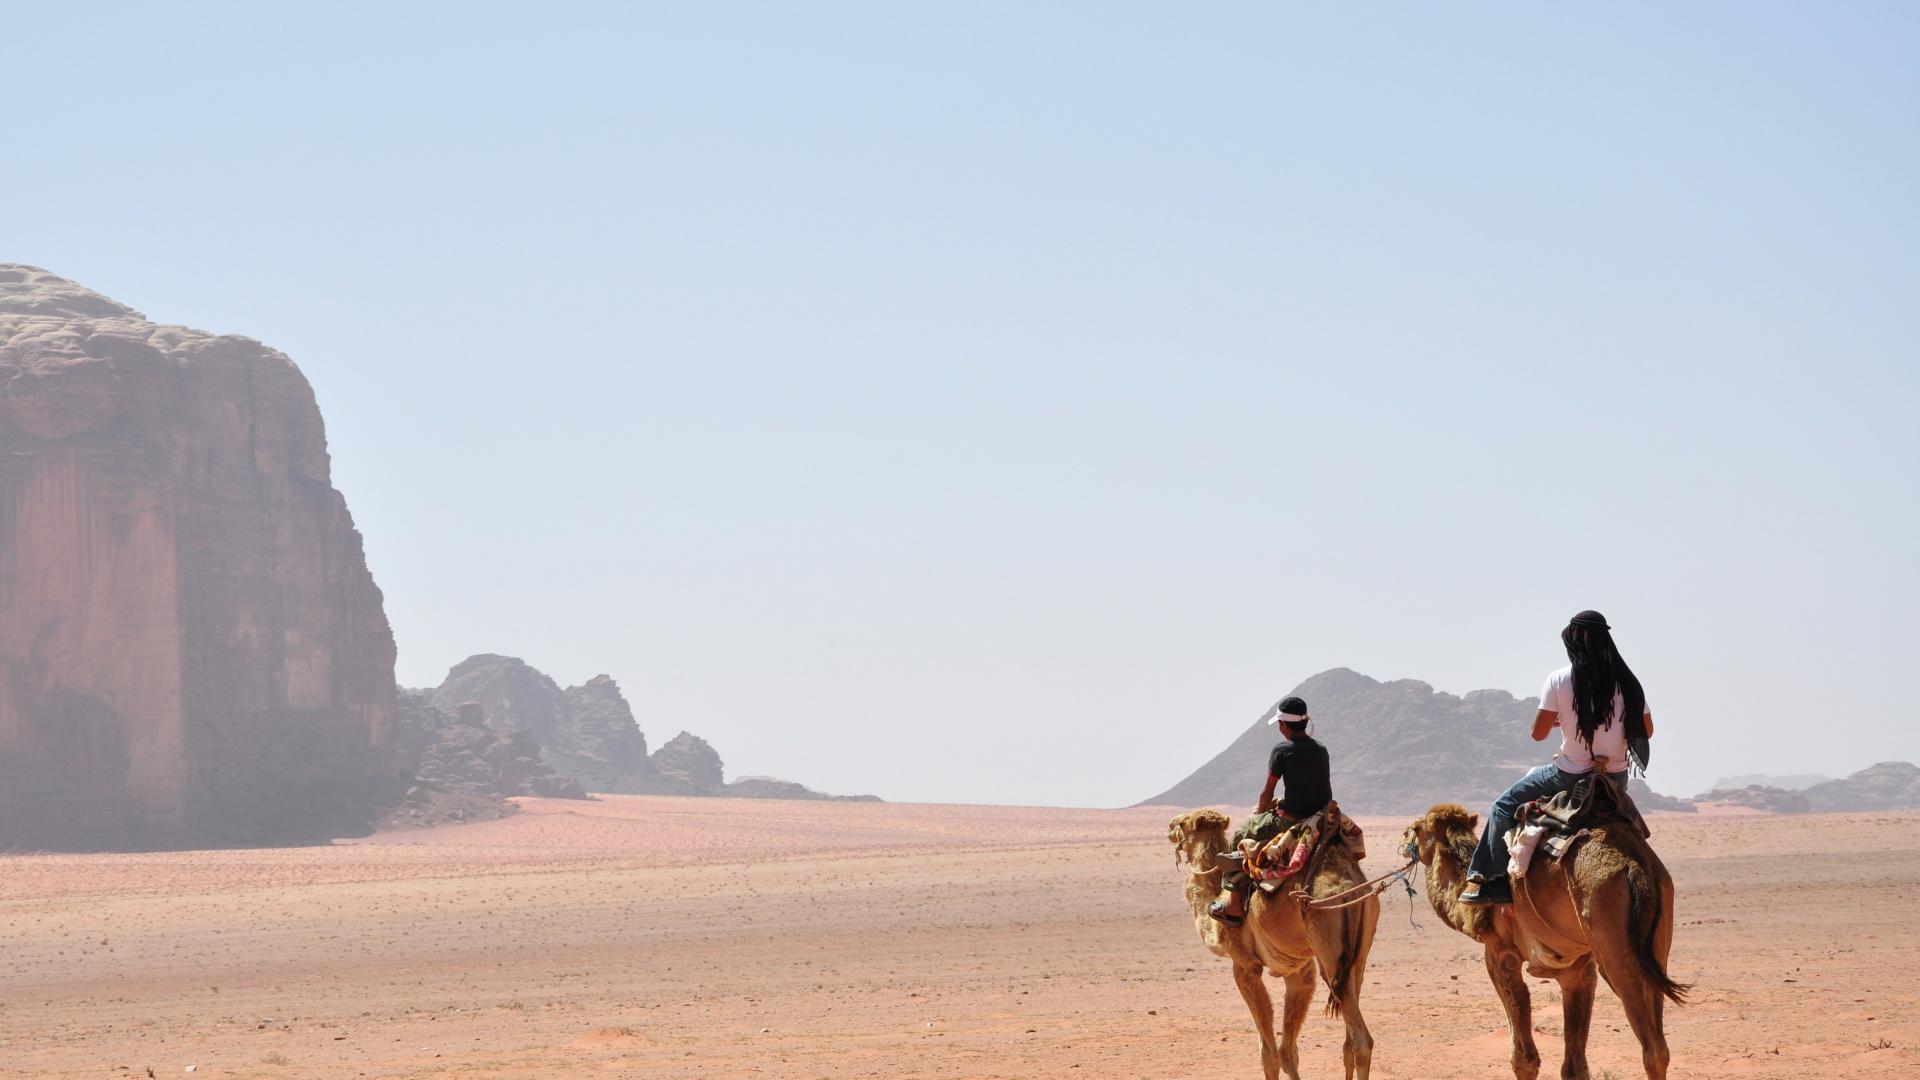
{"points": [[1601, 711]]}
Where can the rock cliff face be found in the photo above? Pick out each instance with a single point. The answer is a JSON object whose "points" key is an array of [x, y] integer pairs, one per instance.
{"points": [[1397, 747], [191, 648]]}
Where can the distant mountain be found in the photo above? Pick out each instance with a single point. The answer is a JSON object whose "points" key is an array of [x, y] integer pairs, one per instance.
{"points": [[1792, 782], [1772, 800], [1890, 785], [1398, 748]]}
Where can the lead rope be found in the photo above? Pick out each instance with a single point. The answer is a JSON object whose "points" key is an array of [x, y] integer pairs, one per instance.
{"points": [[1366, 890], [1404, 876]]}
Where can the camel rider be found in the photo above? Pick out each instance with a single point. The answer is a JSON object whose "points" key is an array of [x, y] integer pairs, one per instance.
{"points": [[1300, 764], [1587, 701]]}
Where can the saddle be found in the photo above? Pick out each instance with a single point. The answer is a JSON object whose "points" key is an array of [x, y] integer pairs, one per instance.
{"points": [[1558, 823], [1299, 847]]}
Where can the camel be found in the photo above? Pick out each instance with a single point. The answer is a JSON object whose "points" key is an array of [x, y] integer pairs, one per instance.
{"points": [[1282, 938], [1607, 906]]}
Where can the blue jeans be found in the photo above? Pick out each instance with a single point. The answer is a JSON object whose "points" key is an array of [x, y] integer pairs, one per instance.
{"points": [[1490, 858]]}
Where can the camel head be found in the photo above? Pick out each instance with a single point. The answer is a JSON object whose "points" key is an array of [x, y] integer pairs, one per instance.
{"points": [[1447, 827], [1197, 836]]}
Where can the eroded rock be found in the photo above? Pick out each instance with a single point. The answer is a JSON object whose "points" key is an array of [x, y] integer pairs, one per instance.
{"points": [[601, 744], [689, 761], [191, 648], [458, 752]]}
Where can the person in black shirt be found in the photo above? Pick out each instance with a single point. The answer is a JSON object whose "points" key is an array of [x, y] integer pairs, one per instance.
{"points": [[1300, 767]]}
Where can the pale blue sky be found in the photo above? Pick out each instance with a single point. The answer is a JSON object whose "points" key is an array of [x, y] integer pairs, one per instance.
{"points": [[1008, 402]]}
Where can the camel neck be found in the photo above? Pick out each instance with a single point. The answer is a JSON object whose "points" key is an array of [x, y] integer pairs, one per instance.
{"points": [[1446, 880], [1204, 877]]}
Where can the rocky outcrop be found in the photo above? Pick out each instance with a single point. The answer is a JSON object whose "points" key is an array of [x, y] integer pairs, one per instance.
{"points": [[767, 787], [1398, 747], [1649, 800], [601, 744], [191, 648], [588, 733], [513, 695], [1890, 785], [690, 765], [458, 752], [1770, 800]]}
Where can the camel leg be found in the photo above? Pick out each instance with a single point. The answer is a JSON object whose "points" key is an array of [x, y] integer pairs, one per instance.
{"points": [[1253, 988], [1299, 996], [1358, 1049], [1646, 1015], [1576, 1009], [1503, 967], [1619, 964], [1644, 1007]]}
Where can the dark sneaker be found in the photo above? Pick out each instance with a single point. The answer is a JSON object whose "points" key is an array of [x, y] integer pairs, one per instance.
{"points": [[1497, 891], [1219, 912]]}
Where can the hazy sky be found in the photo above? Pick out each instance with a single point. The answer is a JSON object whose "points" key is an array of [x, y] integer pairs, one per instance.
{"points": [[1009, 402]]}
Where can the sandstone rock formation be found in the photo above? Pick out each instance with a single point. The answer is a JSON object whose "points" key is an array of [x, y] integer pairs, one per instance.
{"points": [[191, 648], [691, 765], [1398, 747], [602, 745], [512, 694], [588, 733], [458, 752]]}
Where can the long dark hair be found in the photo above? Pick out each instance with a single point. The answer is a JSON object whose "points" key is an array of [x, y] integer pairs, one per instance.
{"points": [[1599, 673]]}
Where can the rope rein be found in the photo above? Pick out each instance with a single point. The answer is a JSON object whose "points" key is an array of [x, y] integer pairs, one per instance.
{"points": [[1366, 890]]}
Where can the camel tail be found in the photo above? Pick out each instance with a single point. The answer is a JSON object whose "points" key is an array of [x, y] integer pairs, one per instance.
{"points": [[1337, 980], [1643, 918]]}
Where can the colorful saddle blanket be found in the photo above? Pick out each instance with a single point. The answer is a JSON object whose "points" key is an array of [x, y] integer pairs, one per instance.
{"points": [[1287, 854]]}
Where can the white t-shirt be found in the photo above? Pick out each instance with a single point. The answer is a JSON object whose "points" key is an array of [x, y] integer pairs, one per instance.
{"points": [[1609, 740]]}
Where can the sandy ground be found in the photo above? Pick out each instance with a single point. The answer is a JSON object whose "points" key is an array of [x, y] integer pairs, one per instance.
{"points": [[681, 938]]}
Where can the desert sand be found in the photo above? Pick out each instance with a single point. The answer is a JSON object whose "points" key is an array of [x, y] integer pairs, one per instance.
{"points": [[710, 938]]}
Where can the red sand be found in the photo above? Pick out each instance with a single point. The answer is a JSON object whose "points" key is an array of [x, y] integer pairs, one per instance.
{"points": [[682, 938]]}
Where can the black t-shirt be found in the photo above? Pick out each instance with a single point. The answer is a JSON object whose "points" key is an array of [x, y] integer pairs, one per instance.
{"points": [[1302, 766]]}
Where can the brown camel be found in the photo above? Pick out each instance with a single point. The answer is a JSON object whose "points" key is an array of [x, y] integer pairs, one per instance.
{"points": [[1607, 905], [1283, 939]]}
